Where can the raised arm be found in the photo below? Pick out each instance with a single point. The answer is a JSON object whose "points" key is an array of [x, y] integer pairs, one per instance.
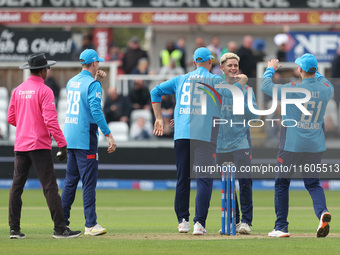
{"points": [[267, 84]]}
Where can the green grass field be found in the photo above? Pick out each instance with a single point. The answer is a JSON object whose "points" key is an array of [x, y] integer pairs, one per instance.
{"points": [[144, 222]]}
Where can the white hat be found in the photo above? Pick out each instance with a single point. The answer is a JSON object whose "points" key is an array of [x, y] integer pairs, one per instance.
{"points": [[279, 39]]}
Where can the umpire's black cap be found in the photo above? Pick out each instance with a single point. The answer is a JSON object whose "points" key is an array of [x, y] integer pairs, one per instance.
{"points": [[37, 61]]}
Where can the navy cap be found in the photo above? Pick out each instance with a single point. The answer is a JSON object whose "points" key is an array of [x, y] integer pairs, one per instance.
{"points": [[307, 62], [89, 56], [259, 44], [202, 53]]}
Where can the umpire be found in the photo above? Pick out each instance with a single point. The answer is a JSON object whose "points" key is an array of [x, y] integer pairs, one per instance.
{"points": [[32, 111]]}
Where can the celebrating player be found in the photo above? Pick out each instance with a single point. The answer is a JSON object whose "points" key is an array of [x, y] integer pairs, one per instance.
{"points": [[302, 144], [234, 144], [194, 134]]}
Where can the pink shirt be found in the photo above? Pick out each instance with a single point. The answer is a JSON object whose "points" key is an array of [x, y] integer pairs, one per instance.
{"points": [[32, 111]]}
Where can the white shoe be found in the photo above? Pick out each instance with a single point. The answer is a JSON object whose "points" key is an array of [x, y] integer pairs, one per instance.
{"points": [[199, 229], [279, 233], [243, 229], [323, 228], [238, 225], [184, 226], [95, 230], [231, 227]]}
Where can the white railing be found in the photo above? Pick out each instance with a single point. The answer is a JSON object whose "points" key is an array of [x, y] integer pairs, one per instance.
{"points": [[124, 81]]}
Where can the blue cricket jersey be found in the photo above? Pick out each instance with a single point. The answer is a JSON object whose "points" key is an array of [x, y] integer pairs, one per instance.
{"points": [[308, 135], [235, 135], [191, 120], [84, 113]]}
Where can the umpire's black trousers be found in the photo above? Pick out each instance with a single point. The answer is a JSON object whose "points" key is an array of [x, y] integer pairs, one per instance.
{"points": [[43, 163]]}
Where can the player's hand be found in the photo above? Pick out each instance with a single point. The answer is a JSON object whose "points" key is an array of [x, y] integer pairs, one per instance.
{"points": [[242, 79], [100, 74], [172, 122], [62, 153], [274, 63], [159, 127], [112, 144]]}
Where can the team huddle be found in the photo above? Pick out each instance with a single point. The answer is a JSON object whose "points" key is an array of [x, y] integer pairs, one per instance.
{"points": [[197, 141], [196, 137]]}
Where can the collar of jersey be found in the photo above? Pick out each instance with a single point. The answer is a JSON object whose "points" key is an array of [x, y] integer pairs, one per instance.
{"points": [[85, 72], [201, 68], [309, 79]]}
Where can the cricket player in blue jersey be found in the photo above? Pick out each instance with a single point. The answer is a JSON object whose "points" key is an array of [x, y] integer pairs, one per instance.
{"points": [[301, 144], [195, 135], [234, 143], [83, 117]]}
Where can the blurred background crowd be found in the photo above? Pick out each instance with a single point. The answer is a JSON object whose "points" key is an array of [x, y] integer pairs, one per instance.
{"points": [[138, 57]]}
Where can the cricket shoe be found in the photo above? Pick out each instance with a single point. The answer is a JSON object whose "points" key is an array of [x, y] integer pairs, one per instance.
{"points": [[231, 227], [16, 234], [67, 233], [323, 228], [95, 230], [184, 226], [243, 229], [199, 229], [283, 232]]}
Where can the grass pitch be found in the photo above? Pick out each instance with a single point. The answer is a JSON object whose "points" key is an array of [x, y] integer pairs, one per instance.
{"points": [[144, 222]]}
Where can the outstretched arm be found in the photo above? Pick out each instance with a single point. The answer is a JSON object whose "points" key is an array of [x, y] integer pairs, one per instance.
{"points": [[267, 84]]}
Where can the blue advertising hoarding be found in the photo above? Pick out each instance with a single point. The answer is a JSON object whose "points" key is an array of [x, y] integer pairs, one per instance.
{"points": [[322, 45]]}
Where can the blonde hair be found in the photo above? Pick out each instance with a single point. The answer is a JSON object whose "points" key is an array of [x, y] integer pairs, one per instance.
{"points": [[227, 56]]}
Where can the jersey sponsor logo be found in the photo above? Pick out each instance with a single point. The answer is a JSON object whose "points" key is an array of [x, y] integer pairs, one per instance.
{"points": [[99, 95]]}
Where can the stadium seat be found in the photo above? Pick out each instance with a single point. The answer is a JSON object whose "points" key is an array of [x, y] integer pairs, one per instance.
{"points": [[4, 99], [120, 130], [146, 114], [4, 129], [3, 116], [3, 104], [62, 106], [12, 133], [62, 94], [4, 93]]}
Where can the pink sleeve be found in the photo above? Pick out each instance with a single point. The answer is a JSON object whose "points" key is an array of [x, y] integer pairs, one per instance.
{"points": [[50, 117], [11, 119]]}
